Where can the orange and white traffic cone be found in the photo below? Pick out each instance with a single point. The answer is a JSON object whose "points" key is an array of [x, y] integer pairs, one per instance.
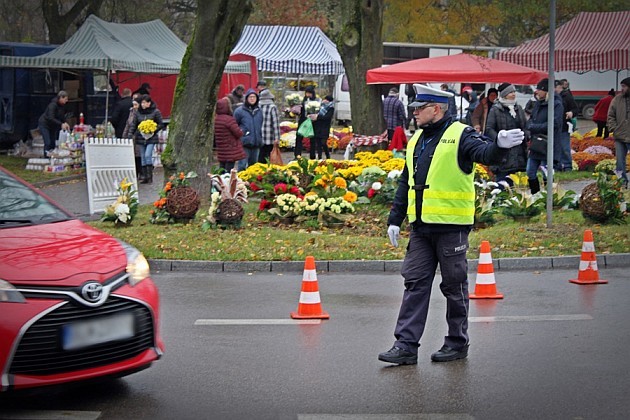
{"points": [[310, 305], [485, 284], [587, 273]]}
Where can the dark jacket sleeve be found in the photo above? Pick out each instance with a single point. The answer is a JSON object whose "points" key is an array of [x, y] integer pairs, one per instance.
{"points": [[158, 120], [571, 105], [235, 129], [474, 147], [134, 125]]}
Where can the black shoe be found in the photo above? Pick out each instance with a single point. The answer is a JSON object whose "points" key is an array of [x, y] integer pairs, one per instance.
{"points": [[398, 356], [447, 354]]}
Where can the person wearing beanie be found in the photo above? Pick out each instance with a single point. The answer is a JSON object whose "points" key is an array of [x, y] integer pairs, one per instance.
{"points": [[270, 124], [321, 127], [393, 112], [480, 114], [537, 125], [601, 114], [249, 119], [562, 147], [619, 124], [506, 114], [309, 95]]}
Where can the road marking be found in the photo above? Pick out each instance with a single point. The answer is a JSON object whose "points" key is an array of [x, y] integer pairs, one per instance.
{"points": [[257, 321], [526, 318], [48, 415], [423, 416]]}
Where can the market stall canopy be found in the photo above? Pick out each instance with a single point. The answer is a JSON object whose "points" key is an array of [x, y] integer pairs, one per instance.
{"points": [[148, 47], [454, 68], [589, 41], [290, 49]]}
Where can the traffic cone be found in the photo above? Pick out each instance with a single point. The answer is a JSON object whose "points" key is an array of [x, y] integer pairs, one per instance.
{"points": [[309, 306], [485, 285], [587, 273]]}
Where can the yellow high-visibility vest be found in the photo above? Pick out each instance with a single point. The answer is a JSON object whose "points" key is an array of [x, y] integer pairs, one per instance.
{"points": [[450, 195]]}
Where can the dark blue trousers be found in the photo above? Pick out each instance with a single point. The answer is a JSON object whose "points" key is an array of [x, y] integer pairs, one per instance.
{"points": [[424, 252]]}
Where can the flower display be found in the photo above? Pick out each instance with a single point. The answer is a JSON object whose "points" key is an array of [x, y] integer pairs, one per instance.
{"points": [[147, 127], [522, 203], [124, 209], [229, 193], [286, 205], [293, 99], [160, 213], [603, 201]]}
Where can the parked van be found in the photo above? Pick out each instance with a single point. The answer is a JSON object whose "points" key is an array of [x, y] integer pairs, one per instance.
{"points": [[343, 114]]}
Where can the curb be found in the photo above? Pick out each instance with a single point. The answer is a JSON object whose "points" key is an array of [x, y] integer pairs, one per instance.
{"points": [[56, 181], [384, 266]]}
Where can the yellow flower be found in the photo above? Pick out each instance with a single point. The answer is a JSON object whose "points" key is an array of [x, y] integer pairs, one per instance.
{"points": [[321, 183], [147, 127], [124, 184], [350, 197]]}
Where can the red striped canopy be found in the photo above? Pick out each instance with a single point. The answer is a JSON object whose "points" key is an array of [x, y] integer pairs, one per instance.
{"points": [[589, 41]]}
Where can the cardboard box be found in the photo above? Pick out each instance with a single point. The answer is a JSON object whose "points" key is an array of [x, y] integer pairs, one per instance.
{"points": [[72, 88]]}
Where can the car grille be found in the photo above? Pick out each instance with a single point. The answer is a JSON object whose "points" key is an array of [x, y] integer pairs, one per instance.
{"points": [[40, 351]]}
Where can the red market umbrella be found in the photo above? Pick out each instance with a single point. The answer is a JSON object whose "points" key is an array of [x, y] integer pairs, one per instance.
{"points": [[466, 68]]}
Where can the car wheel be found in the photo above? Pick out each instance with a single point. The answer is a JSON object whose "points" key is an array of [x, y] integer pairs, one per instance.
{"points": [[588, 111]]}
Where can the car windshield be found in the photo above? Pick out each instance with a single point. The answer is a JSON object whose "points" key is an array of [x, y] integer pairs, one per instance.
{"points": [[20, 205]]}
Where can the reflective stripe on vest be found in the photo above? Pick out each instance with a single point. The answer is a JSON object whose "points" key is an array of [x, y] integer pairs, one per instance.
{"points": [[450, 197]]}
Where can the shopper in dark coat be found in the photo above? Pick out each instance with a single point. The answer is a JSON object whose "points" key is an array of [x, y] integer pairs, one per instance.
{"points": [[147, 111], [309, 95], [537, 125], [321, 128], [250, 120], [53, 120], [562, 146], [227, 136], [121, 112], [506, 114]]}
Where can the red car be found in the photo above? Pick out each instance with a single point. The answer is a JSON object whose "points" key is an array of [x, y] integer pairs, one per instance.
{"points": [[75, 303]]}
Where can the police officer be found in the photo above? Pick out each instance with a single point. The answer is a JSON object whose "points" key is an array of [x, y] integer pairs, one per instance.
{"points": [[437, 195]]}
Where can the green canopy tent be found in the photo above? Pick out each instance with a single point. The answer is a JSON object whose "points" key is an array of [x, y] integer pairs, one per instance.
{"points": [[148, 47]]}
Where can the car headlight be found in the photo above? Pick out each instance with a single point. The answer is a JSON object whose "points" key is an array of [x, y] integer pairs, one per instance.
{"points": [[8, 293], [137, 265]]}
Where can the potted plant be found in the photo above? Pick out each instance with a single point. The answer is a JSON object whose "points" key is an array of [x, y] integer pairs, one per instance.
{"points": [[227, 199], [521, 205], [178, 200], [603, 201], [124, 209]]}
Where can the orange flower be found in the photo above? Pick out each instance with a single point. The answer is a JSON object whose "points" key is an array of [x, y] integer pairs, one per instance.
{"points": [[350, 197], [340, 182], [168, 186], [182, 175]]}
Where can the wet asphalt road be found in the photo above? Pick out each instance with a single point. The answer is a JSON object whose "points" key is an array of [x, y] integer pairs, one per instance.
{"points": [[549, 350]]}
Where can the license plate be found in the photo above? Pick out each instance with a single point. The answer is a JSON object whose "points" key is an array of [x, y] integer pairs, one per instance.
{"points": [[96, 331]]}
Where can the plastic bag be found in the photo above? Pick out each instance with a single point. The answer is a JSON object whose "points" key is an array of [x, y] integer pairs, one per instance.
{"points": [[306, 129], [275, 158]]}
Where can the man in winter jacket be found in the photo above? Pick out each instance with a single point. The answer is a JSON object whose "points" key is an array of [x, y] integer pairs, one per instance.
{"points": [[250, 119], [537, 125], [121, 112], [393, 112], [53, 120], [562, 146], [436, 194], [619, 125]]}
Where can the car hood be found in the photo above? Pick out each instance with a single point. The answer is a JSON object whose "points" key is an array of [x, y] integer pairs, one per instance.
{"points": [[69, 252]]}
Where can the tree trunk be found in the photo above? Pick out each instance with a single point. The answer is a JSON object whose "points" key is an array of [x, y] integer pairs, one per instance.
{"points": [[361, 48], [217, 29]]}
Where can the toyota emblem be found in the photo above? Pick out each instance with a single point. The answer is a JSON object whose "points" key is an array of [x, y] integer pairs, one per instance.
{"points": [[92, 291]]}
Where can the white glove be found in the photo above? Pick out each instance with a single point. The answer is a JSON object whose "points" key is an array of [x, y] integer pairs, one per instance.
{"points": [[510, 138], [394, 233]]}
